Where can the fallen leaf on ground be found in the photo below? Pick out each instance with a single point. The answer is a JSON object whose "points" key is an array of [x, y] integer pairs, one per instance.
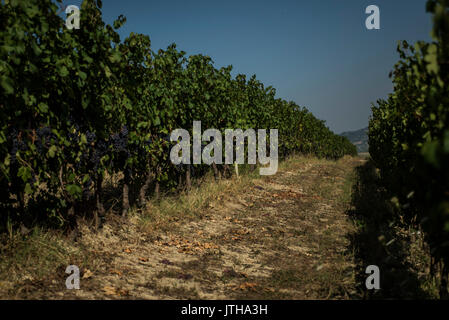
{"points": [[117, 272], [110, 290], [114, 291], [246, 286], [87, 274]]}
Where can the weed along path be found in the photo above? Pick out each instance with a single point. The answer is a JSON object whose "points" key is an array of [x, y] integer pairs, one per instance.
{"points": [[274, 237]]}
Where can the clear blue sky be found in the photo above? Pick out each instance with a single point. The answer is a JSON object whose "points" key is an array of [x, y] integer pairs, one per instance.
{"points": [[317, 53]]}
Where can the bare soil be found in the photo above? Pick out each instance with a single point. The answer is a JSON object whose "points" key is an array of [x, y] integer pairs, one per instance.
{"points": [[278, 237]]}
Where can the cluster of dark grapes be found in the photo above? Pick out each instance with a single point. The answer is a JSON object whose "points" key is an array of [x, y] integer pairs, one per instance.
{"points": [[97, 149], [90, 137], [119, 144], [119, 140], [100, 150], [13, 137], [43, 139]]}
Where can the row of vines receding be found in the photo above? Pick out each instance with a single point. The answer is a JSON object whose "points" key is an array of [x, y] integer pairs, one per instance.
{"points": [[80, 105], [409, 138]]}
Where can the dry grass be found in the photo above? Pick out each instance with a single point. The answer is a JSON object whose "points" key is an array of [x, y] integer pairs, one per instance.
{"points": [[249, 237], [36, 258]]}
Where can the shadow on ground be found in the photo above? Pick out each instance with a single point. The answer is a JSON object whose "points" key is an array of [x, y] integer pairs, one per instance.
{"points": [[380, 241]]}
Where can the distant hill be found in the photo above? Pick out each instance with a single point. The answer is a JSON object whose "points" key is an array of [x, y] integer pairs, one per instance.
{"points": [[359, 138]]}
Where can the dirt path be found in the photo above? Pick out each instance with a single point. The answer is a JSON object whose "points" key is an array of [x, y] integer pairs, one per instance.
{"points": [[283, 237]]}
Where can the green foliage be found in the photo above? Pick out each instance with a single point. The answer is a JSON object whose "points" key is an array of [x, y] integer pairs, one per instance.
{"points": [[409, 134], [76, 104]]}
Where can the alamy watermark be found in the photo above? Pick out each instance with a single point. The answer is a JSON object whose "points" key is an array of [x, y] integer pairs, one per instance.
{"points": [[373, 20], [72, 281], [373, 280], [213, 152], [73, 17]]}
